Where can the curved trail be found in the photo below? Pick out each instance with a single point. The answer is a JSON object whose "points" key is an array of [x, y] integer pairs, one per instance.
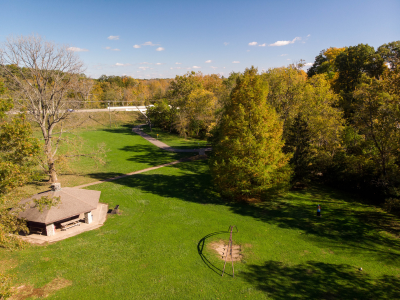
{"points": [[160, 145]]}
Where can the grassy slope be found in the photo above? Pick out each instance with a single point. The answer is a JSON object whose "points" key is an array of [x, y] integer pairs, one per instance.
{"points": [[158, 247], [174, 140], [128, 152]]}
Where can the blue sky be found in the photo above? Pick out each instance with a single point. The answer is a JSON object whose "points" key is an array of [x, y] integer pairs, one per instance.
{"points": [[173, 37]]}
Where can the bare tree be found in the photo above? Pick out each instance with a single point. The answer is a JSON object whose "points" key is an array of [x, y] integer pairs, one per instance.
{"points": [[44, 73]]}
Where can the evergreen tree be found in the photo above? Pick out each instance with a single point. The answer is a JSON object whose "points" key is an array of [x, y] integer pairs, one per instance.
{"points": [[298, 142], [247, 160]]}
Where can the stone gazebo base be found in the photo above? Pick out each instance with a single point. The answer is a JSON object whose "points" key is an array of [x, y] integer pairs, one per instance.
{"points": [[99, 217]]}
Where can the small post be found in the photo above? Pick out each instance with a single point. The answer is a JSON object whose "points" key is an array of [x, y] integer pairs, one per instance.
{"points": [[109, 111]]}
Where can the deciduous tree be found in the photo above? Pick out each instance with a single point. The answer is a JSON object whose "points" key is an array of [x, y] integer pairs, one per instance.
{"points": [[44, 73], [247, 158]]}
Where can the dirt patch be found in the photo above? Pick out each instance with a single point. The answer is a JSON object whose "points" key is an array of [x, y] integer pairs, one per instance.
{"points": [[28, 291], [221, 247]]}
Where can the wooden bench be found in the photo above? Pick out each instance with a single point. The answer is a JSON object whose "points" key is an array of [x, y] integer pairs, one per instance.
{"points": [[70, 223], [38, 230]]}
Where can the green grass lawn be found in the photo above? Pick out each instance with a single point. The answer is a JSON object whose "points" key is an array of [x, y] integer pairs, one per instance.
{"points": [[159, 247], [174, 140], [128, 152]]}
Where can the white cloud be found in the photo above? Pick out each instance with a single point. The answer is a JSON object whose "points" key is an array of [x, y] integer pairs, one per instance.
{"points": [[284, 43], [158, 64], [115, 49], [143, 68], [226, 44], [136, 46], [160, 49], [208, 61], [283, 54], [113, 37], [171, 68], [145, 63], [288, 59], [108, 48], [308, 64], [247, 50], [178, 67], [262, 45], [236, 62], [178, 63], [150, 44], [118, 64], [196, 67], [214, 67], [76, 49], [253, 44], [309, 35]]}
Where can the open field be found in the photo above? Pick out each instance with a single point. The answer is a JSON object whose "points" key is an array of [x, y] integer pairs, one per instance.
{"points": [[160, 245], [128, 152]]}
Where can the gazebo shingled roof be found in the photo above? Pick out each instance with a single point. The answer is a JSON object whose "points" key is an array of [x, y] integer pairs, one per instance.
{"points": [[73, 202]]}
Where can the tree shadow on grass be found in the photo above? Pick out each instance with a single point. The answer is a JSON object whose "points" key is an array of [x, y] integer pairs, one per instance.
{"points": [[341, 227], [316, 280], [200, 249]]}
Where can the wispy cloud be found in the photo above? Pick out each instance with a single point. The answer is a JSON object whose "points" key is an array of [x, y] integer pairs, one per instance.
{"points": [[262, 45], [113, 37], [136, 46], [150, 44], [158, 64], [108, 48], [120, 65], [196, 67], [145, 63], [284, 43], [226, 44], [76, 49], [160, 49], [171, 68], [143, 68], [178, 63], [236, 62], [309, 35], [253, 44], [289, 59], [115, 49], [208, 61], [214, 67], [283, 54], [308, 64]]}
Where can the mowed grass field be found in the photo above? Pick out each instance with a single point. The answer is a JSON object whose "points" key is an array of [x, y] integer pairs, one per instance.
{"points": [[126, 152], [160, 245]]}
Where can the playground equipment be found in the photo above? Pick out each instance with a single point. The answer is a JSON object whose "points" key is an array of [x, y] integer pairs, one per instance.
{"points": [[229, 250]]}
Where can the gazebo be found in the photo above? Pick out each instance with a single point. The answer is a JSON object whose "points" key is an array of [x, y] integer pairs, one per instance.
{"points": [[74, 202]]}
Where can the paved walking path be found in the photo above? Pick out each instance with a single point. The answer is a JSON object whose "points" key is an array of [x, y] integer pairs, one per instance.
{"points": [[164, 146], [132, 173]]}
